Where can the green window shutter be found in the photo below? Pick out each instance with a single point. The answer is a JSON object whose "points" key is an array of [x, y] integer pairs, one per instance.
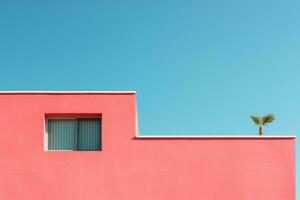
{"points": [[62, 134], [89, 133]]}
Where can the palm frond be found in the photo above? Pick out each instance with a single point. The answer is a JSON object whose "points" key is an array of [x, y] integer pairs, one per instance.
{"points": [[268, 119], [256, 120]]}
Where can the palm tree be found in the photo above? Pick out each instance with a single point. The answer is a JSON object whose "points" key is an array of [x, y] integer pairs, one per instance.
{"points": [[262, 121]]}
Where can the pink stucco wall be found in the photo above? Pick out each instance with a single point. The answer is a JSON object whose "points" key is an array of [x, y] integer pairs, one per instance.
{"points": [[130, 168]]}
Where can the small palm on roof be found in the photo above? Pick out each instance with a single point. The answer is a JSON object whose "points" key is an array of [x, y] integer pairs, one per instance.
{"points": [[262, 121]]}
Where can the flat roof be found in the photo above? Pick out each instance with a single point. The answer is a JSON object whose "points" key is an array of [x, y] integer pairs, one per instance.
{"points": [[65, 92], [215, 136]]}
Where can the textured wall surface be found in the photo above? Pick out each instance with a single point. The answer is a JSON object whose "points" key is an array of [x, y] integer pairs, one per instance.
{"points": [[131, 168]]}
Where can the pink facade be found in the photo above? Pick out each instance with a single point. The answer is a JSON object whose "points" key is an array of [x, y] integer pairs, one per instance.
{"points": [[130, 167]]}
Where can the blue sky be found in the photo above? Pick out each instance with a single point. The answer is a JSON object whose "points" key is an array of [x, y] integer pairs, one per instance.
{"points": [[199, 67]]}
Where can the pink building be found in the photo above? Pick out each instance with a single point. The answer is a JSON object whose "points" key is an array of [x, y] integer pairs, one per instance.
{"points": [[86, 145]]}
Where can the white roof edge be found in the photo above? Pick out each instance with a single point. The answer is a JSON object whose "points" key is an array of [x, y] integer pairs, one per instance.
{"points": [[216, 136], [65, 92]]}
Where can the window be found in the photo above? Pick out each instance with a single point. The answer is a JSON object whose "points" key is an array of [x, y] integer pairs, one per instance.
{"points": [[79, 134]]}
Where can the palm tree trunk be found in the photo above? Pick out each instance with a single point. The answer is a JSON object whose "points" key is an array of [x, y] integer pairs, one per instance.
{"points": [[260, 132]]}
